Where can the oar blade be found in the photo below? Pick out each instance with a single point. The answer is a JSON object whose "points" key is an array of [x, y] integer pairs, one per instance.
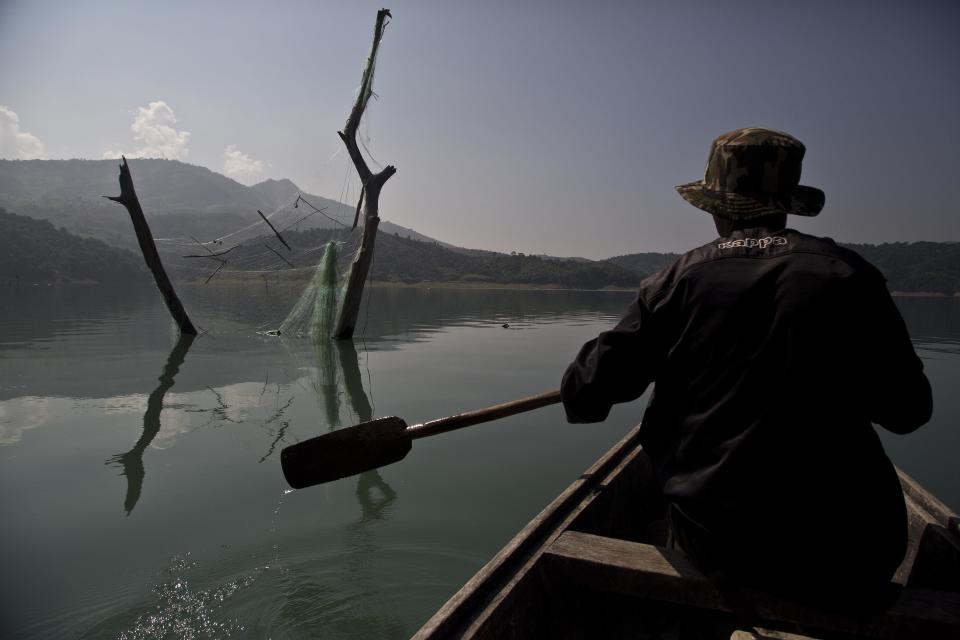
{"points": [[345, 452]]}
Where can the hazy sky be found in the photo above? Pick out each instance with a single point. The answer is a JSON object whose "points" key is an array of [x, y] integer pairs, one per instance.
{"points": [[557, 127]]}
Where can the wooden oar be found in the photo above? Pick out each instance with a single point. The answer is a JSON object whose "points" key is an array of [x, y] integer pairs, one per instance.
{"points": [[380, 442]]}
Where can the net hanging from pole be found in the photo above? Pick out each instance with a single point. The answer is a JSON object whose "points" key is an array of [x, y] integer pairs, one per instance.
{"points": [[290, 239], [315, 312], [319, 244]]}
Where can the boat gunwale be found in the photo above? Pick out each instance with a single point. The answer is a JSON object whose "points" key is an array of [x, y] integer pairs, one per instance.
{"points": [[466, 612], [467, 609]]}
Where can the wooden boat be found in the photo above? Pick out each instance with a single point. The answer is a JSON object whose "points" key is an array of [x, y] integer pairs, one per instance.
{"points": [[593, 565]]}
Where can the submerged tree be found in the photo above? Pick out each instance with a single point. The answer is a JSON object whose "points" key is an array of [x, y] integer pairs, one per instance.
{"points": [[369, 193]]}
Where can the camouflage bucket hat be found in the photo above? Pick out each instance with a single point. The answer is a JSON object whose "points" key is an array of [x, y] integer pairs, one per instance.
{"points": [[753, 172]]}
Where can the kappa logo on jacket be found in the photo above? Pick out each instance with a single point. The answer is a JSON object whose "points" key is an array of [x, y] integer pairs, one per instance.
{"points": [[762, 243]]}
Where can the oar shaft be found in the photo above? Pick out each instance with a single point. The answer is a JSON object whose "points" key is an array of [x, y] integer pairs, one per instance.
{"points": [[450, 423]]}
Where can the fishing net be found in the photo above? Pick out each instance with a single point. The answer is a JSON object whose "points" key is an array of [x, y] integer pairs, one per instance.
{"points": [[290, 237], [315, 312]]}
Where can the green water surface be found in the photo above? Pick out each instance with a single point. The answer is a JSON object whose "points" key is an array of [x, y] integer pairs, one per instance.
{"points": [[140, 484]]}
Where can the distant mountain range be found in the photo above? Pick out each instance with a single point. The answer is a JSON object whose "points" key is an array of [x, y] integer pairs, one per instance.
{"points": [[179, 199], [183, 201]]}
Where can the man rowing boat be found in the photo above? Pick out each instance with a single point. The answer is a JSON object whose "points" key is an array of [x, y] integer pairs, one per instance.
{"points": [[771, 353]]}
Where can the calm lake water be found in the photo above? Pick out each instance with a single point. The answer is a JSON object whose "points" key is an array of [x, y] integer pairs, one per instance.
{"points": [[140, 480]]}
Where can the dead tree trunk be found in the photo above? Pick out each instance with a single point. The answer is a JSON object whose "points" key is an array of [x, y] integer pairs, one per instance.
{"points": [[128, 198], [372, 184]]}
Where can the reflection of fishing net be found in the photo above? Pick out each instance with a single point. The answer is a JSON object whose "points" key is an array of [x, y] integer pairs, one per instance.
{"points": [[315, 312], [332, 369]]}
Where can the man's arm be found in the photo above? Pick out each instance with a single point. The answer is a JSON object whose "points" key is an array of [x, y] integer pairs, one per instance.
{"points": [[616, 366], [899, 395]]}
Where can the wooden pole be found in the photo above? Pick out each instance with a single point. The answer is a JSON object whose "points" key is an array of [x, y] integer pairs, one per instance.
{"points": [[369, 445], [372, 184], [128, 198]]}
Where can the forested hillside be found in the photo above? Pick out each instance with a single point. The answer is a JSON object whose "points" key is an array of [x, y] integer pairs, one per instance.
{"points": [[37, 252], [399, 259], [403, 260], [644, 262], [932, 267], [910, 267]]}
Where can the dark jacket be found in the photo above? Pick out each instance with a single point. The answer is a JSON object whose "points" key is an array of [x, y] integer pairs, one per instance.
{"points": [[772, 352]]}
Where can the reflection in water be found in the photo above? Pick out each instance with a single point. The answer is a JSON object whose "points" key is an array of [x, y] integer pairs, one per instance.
{"points": [[89, 326], [72, 363], [373, 493], [350, 600], [339, 366], [217, 413], [352, 380], [132, 461], [279, 432], [326, 381], [375, 496]]}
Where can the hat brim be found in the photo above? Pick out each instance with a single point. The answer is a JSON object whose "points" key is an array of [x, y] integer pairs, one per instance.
{"points": [[802, 201]]}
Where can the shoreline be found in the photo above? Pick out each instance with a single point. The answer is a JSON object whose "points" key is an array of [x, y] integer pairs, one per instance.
{"points": [[497, 286], [923, 294], [382, 284]]}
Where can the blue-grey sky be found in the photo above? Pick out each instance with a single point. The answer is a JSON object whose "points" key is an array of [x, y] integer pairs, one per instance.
{"points": [[542, 127]]}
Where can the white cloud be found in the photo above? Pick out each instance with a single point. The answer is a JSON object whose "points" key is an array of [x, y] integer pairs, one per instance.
{"points": [[153, 130], [240, 166], [14, 143]]}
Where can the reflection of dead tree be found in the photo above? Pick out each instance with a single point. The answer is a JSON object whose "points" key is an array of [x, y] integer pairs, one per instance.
{"points": [[279, 412], [280, 432], [217, 413], [128, 198], [132, 461], [353, 381], [266, 381], [372, 184], [375, 496]]}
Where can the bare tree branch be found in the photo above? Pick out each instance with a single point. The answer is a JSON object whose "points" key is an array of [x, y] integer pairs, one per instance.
{"points": [[274, 230], [356, 216], [216, 271], [372, 184], [349, 133], [128, 198], [212, 255], [277, 253], [322, 211]]}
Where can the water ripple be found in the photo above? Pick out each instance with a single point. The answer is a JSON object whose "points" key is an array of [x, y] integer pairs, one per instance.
{"points": [[182, 611]]}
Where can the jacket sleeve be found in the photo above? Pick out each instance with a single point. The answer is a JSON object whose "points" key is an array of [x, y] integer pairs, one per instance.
{"points": [[899, 395], [614, 367]]}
